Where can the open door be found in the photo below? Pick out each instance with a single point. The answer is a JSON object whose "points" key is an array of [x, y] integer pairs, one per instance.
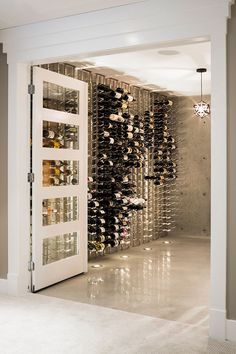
{"points": [[59, 166]]}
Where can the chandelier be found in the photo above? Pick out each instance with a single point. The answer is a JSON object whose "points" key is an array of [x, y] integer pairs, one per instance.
{"points": [[201, 109]]}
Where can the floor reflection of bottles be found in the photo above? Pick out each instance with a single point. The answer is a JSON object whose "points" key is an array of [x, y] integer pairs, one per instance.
{"points": [[59, 210], [59, 247]]}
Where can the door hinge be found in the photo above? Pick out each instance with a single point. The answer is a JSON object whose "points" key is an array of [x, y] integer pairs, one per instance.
{"points": [[31, 89], [30, 266], [31, 177]]}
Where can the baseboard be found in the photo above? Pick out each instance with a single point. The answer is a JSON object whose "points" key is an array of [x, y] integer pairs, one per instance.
{"points": [[217, 324], [3, 286], [231, 330]]}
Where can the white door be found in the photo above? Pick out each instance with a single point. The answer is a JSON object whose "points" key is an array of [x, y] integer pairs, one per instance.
{"points": [[59, 164]]}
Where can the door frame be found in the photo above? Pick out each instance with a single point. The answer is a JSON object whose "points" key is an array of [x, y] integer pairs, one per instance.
{"points": [[31, 50]]}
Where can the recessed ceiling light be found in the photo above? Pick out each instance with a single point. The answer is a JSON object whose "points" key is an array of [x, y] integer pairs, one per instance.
{"points": [[124, 257], [168, 52], [97, 266], [147, 248]]}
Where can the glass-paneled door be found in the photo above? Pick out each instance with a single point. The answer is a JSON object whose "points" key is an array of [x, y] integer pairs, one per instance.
{"points": [[59, 164]]}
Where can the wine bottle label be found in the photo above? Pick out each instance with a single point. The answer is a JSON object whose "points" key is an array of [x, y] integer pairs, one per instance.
{"points": [[130, 135], [112, 141], [56, 181], [106, 134], [129, 128], [58, 163], [51, 134], [90, 179], [117, 118], [130, 98], [118, 95]]}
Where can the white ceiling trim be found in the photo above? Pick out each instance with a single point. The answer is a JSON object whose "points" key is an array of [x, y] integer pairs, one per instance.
{"points": [[22, 12]]}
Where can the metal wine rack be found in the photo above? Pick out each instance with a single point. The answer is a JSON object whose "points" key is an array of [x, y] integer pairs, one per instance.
{"points": [[158, 216]]}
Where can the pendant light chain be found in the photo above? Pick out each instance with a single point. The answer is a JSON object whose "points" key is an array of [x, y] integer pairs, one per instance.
{"points": [[201, 86], [201, 109]]}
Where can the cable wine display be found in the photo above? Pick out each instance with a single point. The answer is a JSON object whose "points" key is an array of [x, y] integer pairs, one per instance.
{"points": [[132, 161]]}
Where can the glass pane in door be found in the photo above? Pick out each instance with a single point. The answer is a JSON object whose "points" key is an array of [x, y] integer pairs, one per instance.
{"points": [[60, 173], [59, 247], [60, 98], [59, 210], [60, 136]]}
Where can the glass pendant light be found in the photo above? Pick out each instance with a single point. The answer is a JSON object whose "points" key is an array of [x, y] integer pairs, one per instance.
{"points": [[201, 109]]}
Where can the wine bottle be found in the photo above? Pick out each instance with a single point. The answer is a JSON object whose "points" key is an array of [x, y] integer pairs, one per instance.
{"points": [[128, 97], [116, 118], [48, 133]]}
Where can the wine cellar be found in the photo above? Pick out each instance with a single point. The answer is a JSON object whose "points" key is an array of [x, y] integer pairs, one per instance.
{"points": [[116, 178], [132, 163]]}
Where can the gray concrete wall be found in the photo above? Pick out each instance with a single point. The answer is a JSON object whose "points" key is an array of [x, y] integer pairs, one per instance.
{"points": [[3, 164], [231, 256], [192, 187]]}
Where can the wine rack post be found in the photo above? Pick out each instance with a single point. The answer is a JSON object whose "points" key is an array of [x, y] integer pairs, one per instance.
{"points": [[140, 172], [147, 189], [164, 194], [136, 234], [126, 244], [172, 198], [154, 195]]}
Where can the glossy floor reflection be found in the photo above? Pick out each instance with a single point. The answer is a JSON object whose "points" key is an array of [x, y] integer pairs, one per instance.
{"points": [[169, 281]]}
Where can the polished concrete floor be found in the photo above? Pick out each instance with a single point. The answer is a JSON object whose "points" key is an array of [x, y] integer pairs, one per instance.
{"points": [[168, 281]]}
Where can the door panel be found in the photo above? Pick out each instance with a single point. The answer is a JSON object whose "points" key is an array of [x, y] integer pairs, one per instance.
{"points": [[59, 164]]}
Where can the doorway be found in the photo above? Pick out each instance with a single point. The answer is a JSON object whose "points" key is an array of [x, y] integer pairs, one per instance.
{"points": [[160, 250]]}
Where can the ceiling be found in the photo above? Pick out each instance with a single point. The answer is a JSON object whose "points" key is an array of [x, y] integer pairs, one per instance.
{"points": [[20, 12], [171, 69]]}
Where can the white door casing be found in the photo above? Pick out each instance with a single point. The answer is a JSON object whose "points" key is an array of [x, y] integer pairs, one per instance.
{"points": [[57, 270], [152, 23]]}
